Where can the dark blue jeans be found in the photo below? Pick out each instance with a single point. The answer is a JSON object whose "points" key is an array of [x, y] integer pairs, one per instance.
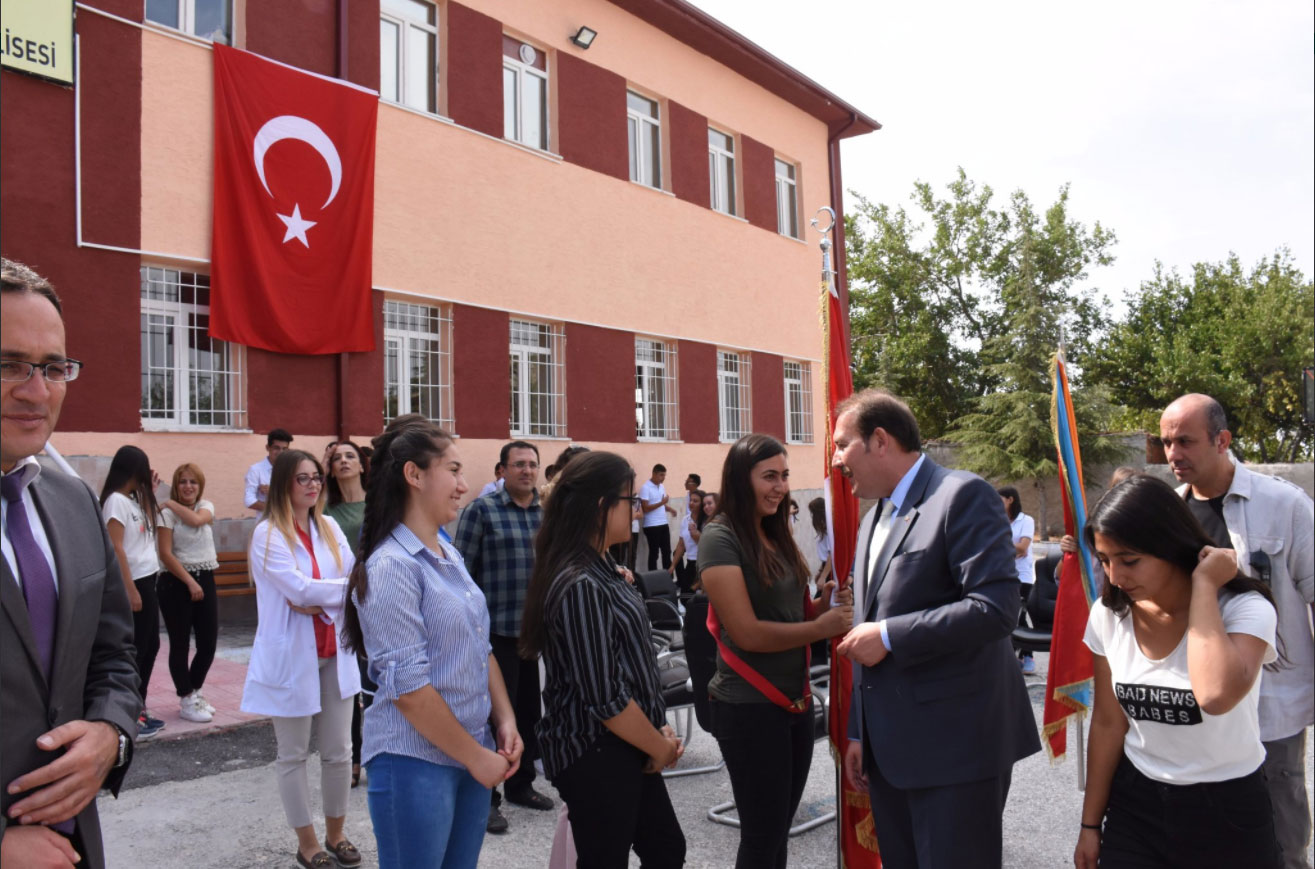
{"points": [[426, 814], [1213, 824]]}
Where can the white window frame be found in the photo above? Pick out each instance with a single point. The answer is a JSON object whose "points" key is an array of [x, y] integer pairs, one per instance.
{"points": [[408, 328], [721, 175], [187, 21], [798, 383], [521, 71], [734, 396], [183, 373], [639, 128], [787, 198], [403, 85], [657, 402], [548, 351]]}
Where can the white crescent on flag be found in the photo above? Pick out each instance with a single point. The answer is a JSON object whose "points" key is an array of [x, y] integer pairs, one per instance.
{"points": [[298, 128]]}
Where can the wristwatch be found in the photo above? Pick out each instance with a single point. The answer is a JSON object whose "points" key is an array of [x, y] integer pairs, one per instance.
{"points": [[124, 744]]}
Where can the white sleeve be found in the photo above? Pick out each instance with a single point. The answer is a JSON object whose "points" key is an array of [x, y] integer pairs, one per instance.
{"points": [[1098, 626], [1026, 528], [1250, 614], [272, 562], [168, 519], [252, 487], [118, 507]]}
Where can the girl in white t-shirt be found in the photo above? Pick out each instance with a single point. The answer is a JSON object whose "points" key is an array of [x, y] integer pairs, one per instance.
{"points": [[1021, 530], [127, 502], [1178, 638]]}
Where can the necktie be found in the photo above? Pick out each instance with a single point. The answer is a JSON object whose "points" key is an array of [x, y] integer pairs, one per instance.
{"points": [[880, 534], [34, 570]]}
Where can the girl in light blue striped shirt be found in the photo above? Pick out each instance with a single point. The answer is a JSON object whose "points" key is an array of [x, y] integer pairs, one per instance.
{"points": [[413, 610]]}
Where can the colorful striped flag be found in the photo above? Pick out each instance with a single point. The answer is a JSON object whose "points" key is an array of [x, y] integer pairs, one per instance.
{"points": [[1069, 681]]}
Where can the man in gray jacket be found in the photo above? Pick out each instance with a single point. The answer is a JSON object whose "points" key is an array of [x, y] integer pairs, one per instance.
{"points": [[69, 695], [1271, 525]]}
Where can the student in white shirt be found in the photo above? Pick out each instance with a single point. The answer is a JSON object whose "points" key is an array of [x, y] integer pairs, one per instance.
{"points": [[1178, 637], [653, 501], [127, 502], [686, 556], [1021, 529], [256, 484]]}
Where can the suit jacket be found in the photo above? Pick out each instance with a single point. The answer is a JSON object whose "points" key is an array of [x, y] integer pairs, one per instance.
{"points": [[94, 674], [948, 705]]}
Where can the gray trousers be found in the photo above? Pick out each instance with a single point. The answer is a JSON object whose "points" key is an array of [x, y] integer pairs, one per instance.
{"points": [[335, 741], [1285, 775]]}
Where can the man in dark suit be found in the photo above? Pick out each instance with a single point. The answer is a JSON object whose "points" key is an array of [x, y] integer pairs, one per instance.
{"points": [[940, 712], [69, 695]]}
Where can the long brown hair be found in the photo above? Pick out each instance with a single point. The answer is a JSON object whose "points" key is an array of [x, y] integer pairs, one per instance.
{"points": [[737, 509], [278, 504]]}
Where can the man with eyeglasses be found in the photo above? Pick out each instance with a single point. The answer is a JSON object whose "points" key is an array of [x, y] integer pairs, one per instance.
{"points": [[66, 730], [257, 479], [495, 535]]}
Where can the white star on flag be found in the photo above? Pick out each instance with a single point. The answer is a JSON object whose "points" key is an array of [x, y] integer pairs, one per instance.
{"points": [[296, 226]]}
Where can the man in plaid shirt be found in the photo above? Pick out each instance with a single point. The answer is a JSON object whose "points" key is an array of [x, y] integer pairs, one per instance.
{"points": [[495, 535]]}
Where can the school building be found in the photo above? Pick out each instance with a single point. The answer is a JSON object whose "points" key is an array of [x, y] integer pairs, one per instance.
{"points": [[590, 226]]}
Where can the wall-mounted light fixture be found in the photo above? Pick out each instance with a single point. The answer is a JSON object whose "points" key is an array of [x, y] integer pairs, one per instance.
{"points": [[584, 37]]}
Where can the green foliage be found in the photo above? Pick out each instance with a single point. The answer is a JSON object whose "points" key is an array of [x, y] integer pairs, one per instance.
{"points": [[1242, 337]]}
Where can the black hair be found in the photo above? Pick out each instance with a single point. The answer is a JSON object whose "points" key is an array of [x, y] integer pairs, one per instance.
{"points": [[737, 509], [1015, 505], [590, 486], [277, 434], [659, 469], [333, 494], [877, 408], [409, 438], [515, 445], [131, 464], [696, 514], [1146, 515], [18, 278], [817, 509], [698, 481]]}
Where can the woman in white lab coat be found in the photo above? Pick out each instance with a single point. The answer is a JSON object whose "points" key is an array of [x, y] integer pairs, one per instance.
{"points": [[299, 561]]}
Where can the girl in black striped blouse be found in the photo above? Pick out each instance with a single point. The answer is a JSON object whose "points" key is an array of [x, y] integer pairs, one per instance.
{"points": [[603, 736]]}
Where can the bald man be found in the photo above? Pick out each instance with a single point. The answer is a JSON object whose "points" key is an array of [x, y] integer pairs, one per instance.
{"points": [[1271, 525]]}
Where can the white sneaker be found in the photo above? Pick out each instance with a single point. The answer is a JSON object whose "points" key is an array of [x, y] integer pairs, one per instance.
{"points": [[190, 710], [200, 698]]}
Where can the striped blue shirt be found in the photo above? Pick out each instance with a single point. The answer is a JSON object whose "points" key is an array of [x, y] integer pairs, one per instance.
{"points": [[496, 537], [425, 623]]}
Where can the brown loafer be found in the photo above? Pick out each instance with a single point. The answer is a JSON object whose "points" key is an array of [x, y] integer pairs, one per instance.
{"points": [[321, 860], [345, 853]]}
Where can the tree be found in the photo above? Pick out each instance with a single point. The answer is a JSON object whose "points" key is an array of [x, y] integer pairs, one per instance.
{"points": [[960, 317], [1240, 337]]}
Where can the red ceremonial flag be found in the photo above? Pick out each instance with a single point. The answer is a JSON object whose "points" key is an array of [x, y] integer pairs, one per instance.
{"points": [[858, 838], [294, 208]]}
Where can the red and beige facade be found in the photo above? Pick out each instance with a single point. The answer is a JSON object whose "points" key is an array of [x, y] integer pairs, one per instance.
{"points": [[603, 246]]}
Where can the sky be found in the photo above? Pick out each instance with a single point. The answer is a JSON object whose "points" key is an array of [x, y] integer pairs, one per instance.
{"points": [[1188, 128]]}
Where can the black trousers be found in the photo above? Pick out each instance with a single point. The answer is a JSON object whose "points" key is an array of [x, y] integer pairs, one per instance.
{"points": [[146, 630], [1025, 590], [184, 617], [614, 806], [522, 680], [659, 540], [1214, 824], [927, 828], [768, 752], [687, 573]]}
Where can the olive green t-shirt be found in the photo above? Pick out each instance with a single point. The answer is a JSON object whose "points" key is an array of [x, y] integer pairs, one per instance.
{"points": [[349, 515], [782, 601]]}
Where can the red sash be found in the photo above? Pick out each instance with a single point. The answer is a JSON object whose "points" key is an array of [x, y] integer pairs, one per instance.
{"points": [[758, 680]]}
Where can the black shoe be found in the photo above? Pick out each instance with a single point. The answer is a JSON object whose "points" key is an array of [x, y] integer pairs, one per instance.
{"points": [[497, 823], [530, 799]]}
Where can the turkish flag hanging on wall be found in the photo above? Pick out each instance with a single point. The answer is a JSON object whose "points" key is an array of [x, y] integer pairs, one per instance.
{"points": [[294, 208]]}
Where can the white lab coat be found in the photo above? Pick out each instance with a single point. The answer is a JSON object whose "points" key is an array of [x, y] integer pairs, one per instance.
{"points": [[283, 674]]}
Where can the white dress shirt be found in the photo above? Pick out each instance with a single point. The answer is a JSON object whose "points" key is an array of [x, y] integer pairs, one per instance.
{"points": [[257, 476], [894, 504]]}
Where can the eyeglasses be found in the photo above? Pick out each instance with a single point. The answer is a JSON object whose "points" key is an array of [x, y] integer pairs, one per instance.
{"points": [[309, 480], [17, 371], [524, 466]]}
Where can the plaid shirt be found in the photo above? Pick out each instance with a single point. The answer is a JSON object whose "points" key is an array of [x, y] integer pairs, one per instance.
{"points": [[496, 538]]}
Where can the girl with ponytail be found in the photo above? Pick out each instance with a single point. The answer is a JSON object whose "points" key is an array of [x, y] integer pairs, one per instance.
{"points": [[423, 625]]}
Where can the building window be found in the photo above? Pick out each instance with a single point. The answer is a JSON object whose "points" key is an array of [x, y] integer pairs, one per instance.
{"points": [[188, 378], [417, 362], [408, 53], [524, 93], [538, 379], [733, 407], [721, 170], [645, 129], [787, 202], [208, 19], [798, 403], [656, 411]]}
